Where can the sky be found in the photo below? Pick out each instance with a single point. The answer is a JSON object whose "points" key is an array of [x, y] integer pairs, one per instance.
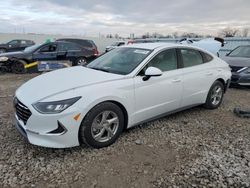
{"points": [[95, 17]]}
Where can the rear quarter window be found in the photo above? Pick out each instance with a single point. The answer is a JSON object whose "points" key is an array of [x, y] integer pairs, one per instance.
{"points": [[191, 57], [206, 57]]}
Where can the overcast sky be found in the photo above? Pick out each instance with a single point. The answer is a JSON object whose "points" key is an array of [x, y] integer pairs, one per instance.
{"points": [[91, 17]]}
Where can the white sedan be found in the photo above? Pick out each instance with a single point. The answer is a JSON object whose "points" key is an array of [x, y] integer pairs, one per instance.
{"points": [[123, 88]]}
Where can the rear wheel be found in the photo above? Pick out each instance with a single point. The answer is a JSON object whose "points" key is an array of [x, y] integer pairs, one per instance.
{"points": [[81, 61], [18, 67], [215, 95], [102, 125]]}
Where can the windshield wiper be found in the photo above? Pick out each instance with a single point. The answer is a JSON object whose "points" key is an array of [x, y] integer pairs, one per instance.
{"points": [[104, 70]]}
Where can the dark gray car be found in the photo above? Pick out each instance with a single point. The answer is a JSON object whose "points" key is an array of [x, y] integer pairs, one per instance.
{"points": [[15, 45], [239, 61]]}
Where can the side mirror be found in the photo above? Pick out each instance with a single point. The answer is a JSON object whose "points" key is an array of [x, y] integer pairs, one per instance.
{"points": [[227, 54], [151, 71]]}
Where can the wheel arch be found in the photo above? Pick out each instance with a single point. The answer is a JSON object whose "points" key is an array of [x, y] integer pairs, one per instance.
{"points": [[223, 82], [116, 102]]}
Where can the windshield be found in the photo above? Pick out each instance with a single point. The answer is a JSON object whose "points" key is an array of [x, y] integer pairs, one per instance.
{"points": [[241, 51], [120, 60], [32, 48]]}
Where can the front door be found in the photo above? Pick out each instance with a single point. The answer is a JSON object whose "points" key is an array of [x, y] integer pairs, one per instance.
{"points": [[46, 53], [161, 94]]}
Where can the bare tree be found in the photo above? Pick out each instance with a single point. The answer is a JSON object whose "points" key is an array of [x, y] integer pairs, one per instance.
{"points": [[229, 32], [245, 32]]}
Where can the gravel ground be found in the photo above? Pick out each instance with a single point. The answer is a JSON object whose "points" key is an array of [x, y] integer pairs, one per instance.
{"points": [[194, 148]]}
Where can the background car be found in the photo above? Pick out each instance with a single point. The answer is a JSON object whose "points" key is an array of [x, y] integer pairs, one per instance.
{"points": [[122, 88], [53, 51], [15, 45], [89, 45], [115, 45], [239, 61]]}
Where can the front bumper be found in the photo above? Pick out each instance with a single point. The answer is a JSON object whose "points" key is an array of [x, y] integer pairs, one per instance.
{"points": [[240, 79], [53, 131]]}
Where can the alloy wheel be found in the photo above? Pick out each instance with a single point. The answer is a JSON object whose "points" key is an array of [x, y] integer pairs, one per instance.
{"points": [[82, 62], [105, 126], [217, 94]]}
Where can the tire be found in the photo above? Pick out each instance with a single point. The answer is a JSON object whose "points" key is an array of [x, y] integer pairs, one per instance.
{"points": [[18, 67], [95, 131], [81, 61], [2, 50], [215, 95]]}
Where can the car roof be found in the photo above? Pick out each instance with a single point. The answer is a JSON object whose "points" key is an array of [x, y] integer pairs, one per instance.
{"points": [[154, 45]]}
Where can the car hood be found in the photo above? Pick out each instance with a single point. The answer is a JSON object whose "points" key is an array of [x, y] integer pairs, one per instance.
{"points": [[237, 61], [62, 80], [3, 45], [13, 54]]}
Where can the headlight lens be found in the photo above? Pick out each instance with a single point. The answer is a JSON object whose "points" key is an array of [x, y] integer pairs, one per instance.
{"points": [[245, 70], [55, 106], [248, 70], [4, 59]]}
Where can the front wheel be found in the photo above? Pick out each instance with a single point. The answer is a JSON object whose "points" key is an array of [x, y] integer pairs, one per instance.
{"points": [[102, 125], [18, 67], [215, 95]]}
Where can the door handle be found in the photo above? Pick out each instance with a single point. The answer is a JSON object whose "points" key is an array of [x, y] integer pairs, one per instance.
{"points": [[219, 70], [176, 80], [209, 73]]}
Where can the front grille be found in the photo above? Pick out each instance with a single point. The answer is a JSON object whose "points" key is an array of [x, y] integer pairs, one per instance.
{"points": [[235, 68], [23, 113]]}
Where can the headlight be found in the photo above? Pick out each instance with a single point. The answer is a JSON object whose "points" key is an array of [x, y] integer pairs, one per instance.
{"points": [[4, 58], [55, 106], [245, 70]]}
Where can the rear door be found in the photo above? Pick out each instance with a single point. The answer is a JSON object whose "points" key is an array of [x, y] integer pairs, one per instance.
{"points": [[69, 51], [161, 94], [198, 76]]}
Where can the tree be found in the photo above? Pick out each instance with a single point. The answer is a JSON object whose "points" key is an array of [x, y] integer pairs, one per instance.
{"points": [[245, 32], [229, 32]]}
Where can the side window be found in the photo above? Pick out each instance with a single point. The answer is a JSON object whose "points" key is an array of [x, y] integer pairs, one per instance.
{"points": [[191, 57], [48, 48], [23, 42], [206, 57], [72, 46], [68, 46], [14, 42], [165, 61]]}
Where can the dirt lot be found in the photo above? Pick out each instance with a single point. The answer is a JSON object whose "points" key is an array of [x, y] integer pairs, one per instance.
{"points": [[197, 148]]}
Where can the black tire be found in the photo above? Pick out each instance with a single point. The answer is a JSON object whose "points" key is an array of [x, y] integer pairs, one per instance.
{"points": [[210, 102], [81, 61], [86, 129], [2, 50], [18, 67]]}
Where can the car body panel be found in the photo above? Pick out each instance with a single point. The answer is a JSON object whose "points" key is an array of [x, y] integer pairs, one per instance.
{"points": [[155, 96]]}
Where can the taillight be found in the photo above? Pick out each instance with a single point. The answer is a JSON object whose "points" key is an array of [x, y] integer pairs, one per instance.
{"points": [[130, 42], [96, 53]]}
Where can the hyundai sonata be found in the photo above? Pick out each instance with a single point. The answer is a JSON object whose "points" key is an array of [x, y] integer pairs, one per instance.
{"points": [[123, 88]]}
